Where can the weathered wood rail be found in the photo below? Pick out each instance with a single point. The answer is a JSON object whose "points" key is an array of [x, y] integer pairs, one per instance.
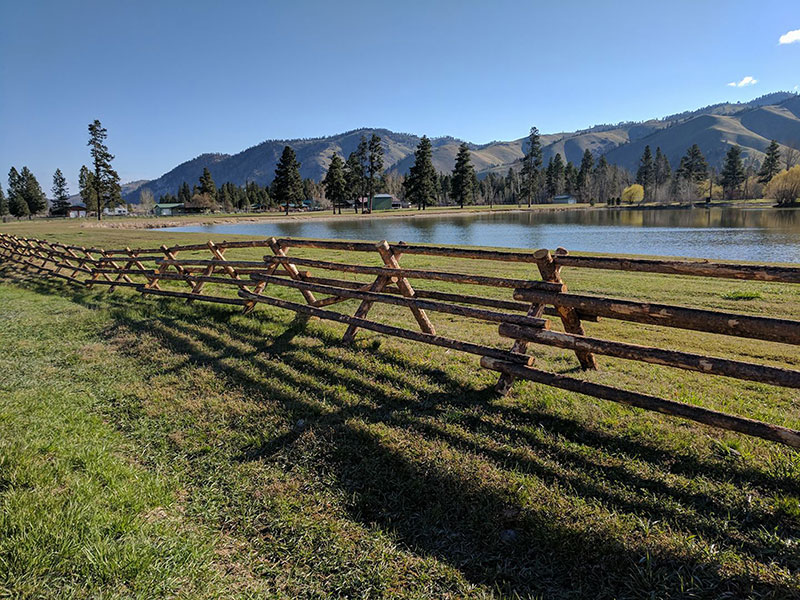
{"points": [[522, 317]]}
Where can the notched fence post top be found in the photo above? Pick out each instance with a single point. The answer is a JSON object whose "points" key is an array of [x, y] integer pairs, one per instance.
{"points": [[521, 319]]}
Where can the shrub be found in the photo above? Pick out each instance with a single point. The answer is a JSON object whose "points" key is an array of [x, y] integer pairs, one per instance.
{"points": [[785, 186], [633, 193]]}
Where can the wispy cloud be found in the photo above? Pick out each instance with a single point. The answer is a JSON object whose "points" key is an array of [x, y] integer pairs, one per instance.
{"points": [[744, 82], [790, 37]]}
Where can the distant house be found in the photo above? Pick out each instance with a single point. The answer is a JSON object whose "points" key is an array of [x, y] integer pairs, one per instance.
{"points": [[168, 210], [565, 199], [385, 202], [76, 211], [116, 211]]}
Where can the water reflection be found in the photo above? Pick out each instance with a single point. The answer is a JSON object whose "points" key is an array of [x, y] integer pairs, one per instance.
{"points": [[720, 233]]}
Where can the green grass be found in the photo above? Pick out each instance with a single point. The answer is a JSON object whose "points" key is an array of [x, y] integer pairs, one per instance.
{"points": [[151, 448]]}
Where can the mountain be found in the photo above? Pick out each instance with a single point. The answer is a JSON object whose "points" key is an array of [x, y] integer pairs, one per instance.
{"points": [[714, 128], [751, 128]]}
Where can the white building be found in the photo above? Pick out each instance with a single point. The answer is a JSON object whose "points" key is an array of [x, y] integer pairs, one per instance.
{"points": [[120, 210]]}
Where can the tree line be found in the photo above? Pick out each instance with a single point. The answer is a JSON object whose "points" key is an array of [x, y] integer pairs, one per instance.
{"points": [[355, 181], [693, 178], [99, 188]]}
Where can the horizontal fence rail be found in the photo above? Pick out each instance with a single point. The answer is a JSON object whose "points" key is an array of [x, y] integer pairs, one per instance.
{"points": [[521, 316]]}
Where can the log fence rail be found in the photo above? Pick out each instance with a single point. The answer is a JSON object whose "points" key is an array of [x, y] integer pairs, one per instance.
{"points": [[521, 318]]}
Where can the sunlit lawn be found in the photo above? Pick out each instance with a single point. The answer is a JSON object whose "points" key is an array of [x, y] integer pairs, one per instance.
{"points": [[153, 448]]}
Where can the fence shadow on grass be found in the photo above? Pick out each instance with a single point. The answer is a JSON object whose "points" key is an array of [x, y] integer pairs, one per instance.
{"points": [[387, 453]]}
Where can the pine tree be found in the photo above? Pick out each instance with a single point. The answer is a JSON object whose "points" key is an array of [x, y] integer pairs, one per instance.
{"points": [[585, 176], [420, 185], [354, 177], [16, 195], [555, 176], [693, 167], [205, 196], [772, 163], [461, 187], [512, 186], [184, 193], [32, 192], [287, 185], [663, 170], [733, 173], [106, 180], [60, 194], [570, 179], [207, 185], [646, 175], [3, 203], [86, 188], [374, 165], [531, 167], [335, 183], [227, 196]]}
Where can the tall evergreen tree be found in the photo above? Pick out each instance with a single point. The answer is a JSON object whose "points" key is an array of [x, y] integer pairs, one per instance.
{"points": [[733, 174], [693, 167], [420, 185], [17, 205], [463, 181], [772, 163], [646, 175], [106, 179], [3, 203], [207, 185], [32, 192], [570, 179], [512, 186], [374, 165], [531, 166], [287, 185], [555, 175], [335, 183], [663, 170], [584, 181], [86, 188], [227, 195], [184, 193], [354, 176], [60, 194]]}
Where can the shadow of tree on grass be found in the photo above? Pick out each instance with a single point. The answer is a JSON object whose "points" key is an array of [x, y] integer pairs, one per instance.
{"points": [[524, 501]]}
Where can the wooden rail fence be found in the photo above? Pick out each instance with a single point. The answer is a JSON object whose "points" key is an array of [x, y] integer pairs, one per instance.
{"points": [[522, 318]]}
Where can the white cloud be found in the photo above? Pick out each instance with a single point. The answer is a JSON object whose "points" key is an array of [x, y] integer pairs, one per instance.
{"points": [[790, 37], [744, 82]]}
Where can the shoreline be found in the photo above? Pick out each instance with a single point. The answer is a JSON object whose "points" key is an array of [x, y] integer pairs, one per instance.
{"points": [[321, 216], [325, 216]]}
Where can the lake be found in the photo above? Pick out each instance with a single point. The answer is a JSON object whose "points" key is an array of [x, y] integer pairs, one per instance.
{"points": [[720, 233]]}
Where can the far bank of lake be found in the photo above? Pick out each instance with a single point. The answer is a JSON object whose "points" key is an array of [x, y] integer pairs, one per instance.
{"points": [[721, 233]]}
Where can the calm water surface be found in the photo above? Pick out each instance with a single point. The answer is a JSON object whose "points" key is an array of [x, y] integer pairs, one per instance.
{"points": [[722, 233]]}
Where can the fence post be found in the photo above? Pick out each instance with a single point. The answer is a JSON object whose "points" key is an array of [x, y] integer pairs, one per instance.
{"points": [[551, 272]]}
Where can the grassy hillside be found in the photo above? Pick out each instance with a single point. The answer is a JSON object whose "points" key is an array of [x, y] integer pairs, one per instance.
{"points": [[152, 448], [714, 128]]}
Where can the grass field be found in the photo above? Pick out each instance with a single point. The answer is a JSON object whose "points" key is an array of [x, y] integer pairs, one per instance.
{"points": [[150, 448]]}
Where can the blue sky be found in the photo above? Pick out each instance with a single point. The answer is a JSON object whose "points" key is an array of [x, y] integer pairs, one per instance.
{"points": [[171, 80]]}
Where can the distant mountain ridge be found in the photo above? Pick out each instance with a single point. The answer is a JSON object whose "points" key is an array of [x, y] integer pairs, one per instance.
{"points": [[714, 128]]}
